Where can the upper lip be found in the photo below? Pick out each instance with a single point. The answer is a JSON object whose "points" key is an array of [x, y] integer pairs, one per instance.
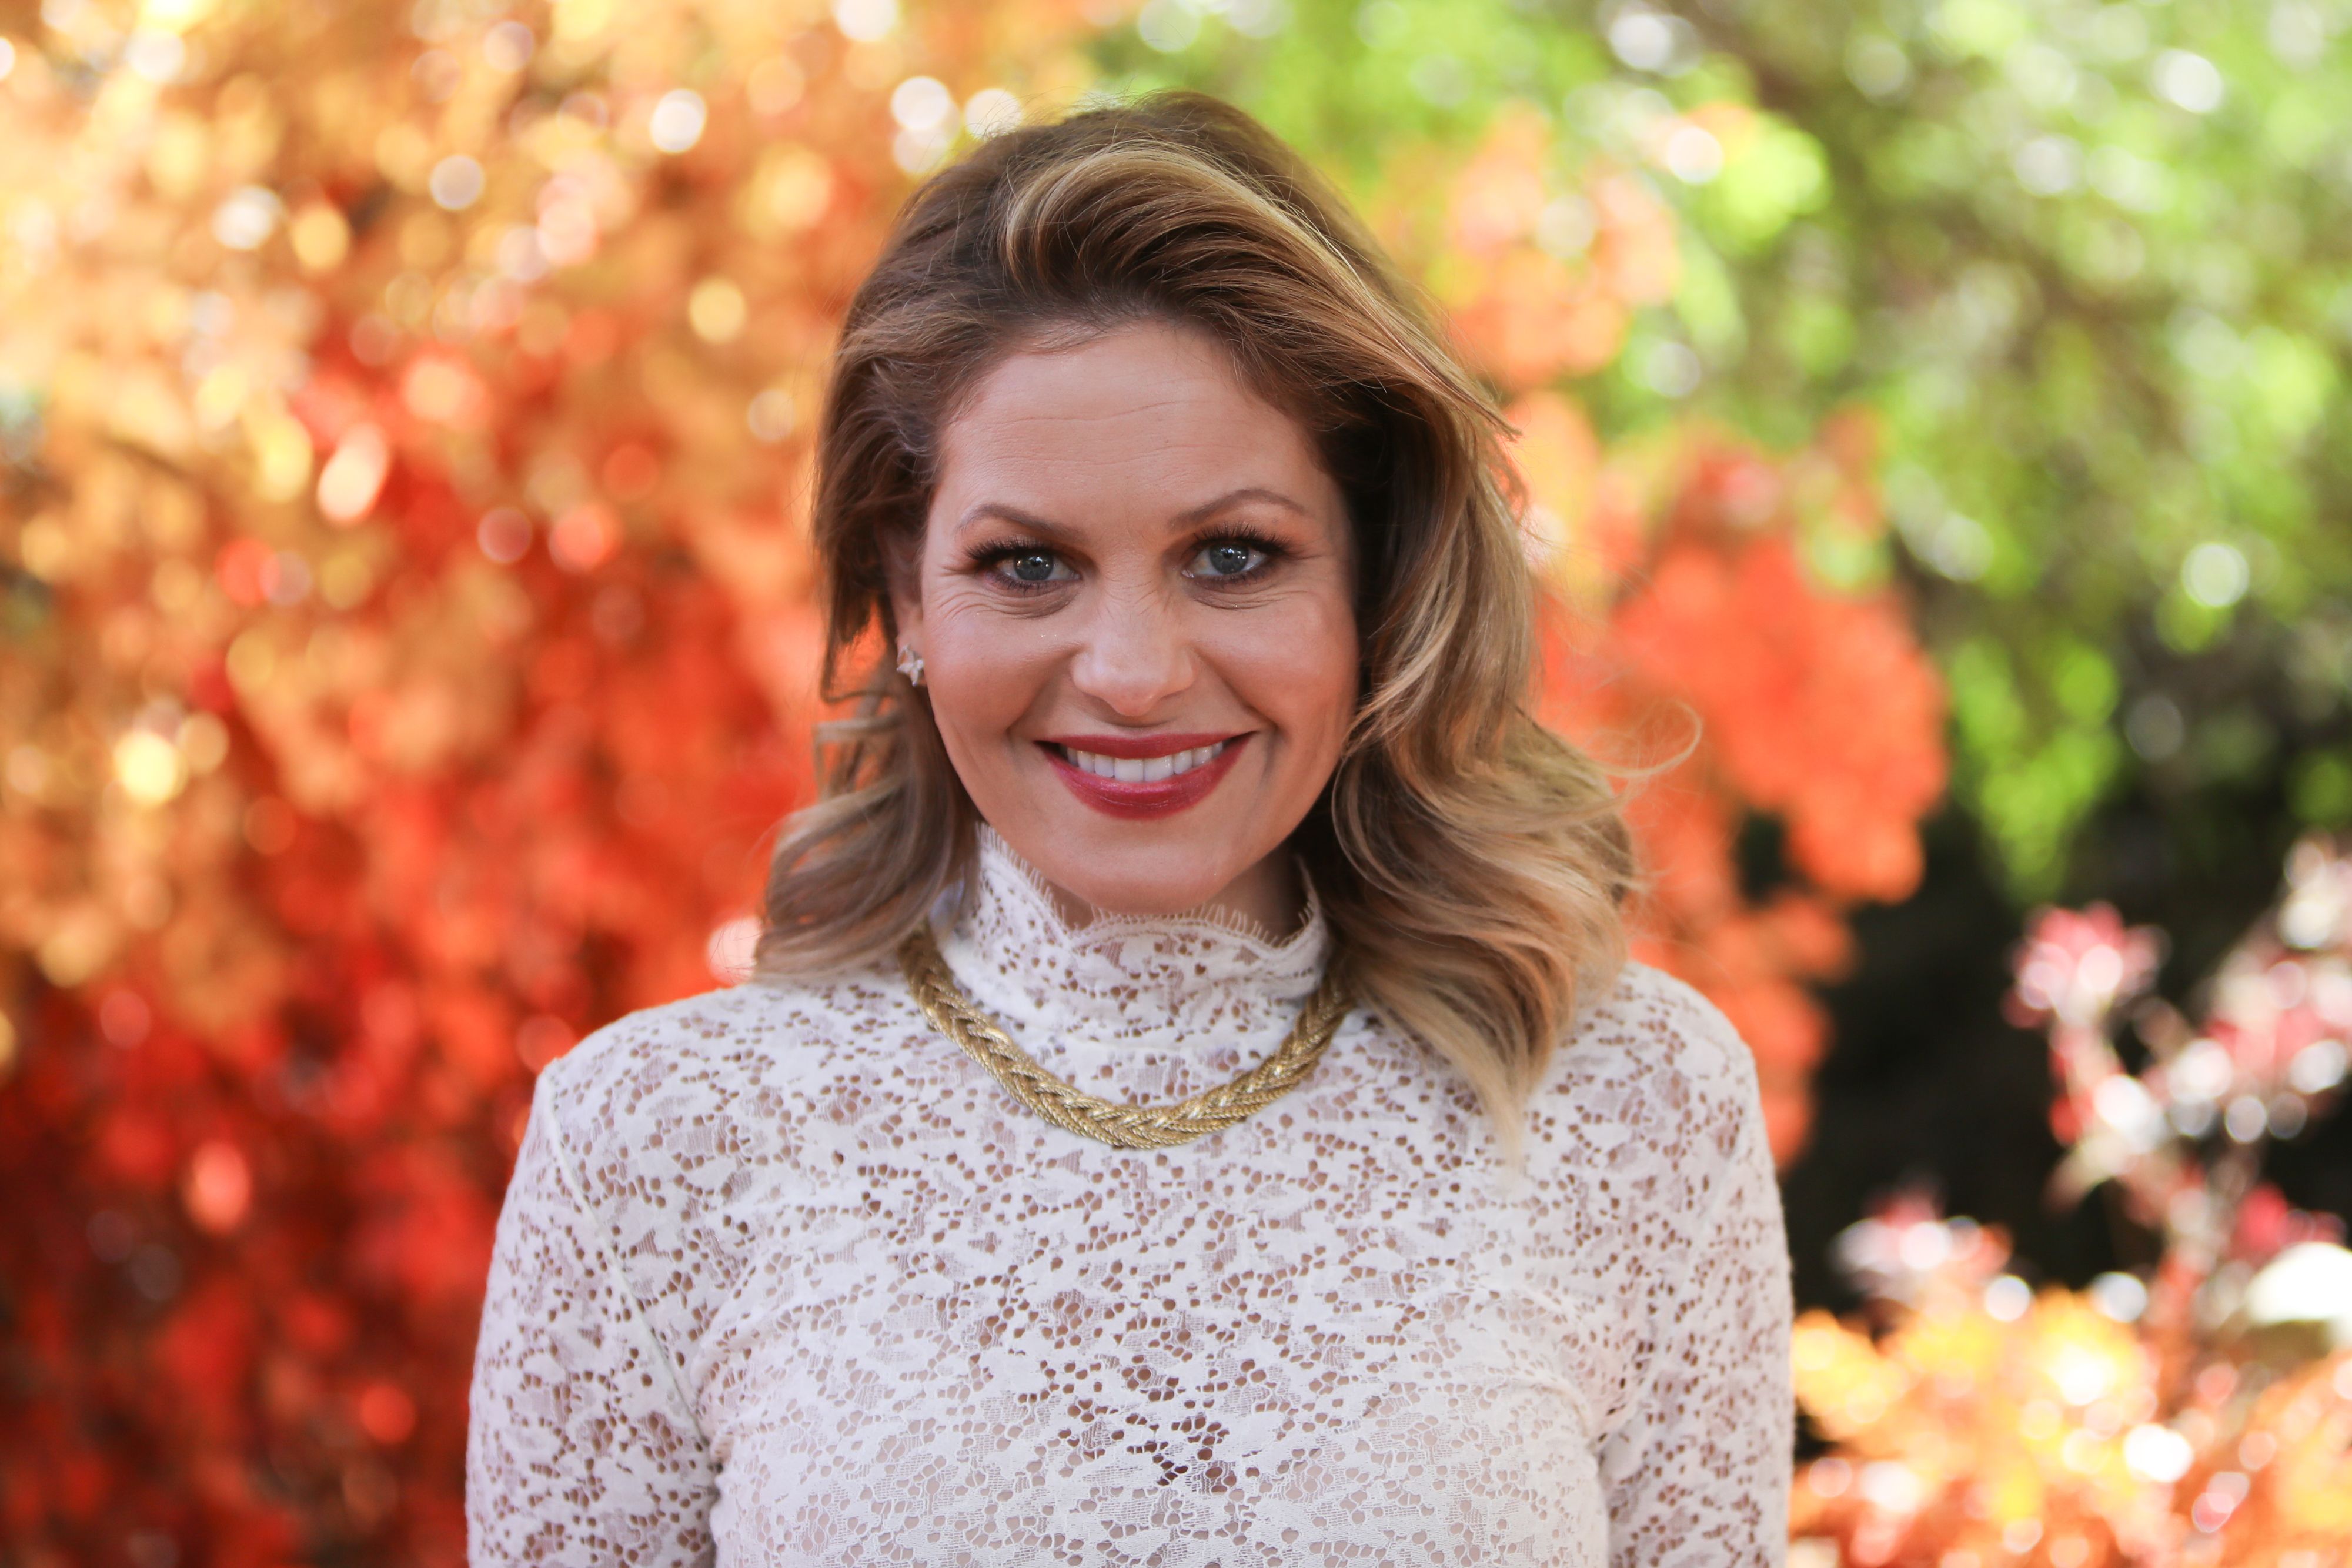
{"points": [[1140, 745]]}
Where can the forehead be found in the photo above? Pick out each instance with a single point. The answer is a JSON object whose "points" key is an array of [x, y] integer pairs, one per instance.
{"points": [[1147, 404]]}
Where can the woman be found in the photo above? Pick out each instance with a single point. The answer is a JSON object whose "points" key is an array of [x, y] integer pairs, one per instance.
{"points": [[1192, 1109]]}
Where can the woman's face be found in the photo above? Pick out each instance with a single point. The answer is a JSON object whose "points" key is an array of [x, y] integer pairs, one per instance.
{"points": [[1135, 606]]}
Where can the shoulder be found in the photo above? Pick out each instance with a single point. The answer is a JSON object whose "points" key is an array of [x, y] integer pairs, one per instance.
{"points": [[1651, 1074], [684, 1063], [1650, 1020]]}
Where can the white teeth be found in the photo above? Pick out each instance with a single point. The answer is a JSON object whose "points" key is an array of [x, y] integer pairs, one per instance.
{"points": [[1142, 770]]}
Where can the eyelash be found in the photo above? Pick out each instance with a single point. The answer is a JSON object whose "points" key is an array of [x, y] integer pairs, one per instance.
{"points": [[990, 557], [1266, 545]]}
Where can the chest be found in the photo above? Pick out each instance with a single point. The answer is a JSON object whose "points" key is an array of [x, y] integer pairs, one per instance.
{"points": [[1024, 1351]]}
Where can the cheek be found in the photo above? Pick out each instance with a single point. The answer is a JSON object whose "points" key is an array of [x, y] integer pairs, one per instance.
{"points": [[983, 674], [1298, 667]]}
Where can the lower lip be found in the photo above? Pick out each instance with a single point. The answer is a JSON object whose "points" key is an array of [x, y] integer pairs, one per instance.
{"points": [[1157, 798]]}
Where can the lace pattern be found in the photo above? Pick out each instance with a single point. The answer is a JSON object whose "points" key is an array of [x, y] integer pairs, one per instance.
{"points": [[784, 1278]]}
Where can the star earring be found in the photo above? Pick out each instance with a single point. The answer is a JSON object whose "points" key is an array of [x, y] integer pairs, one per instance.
{"points": [[911, 664]]}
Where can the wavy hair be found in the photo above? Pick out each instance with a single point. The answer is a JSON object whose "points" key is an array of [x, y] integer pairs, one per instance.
{"points": [[1473, 866]]}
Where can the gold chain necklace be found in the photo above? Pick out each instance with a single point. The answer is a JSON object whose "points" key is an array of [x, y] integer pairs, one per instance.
{"points": [[1122, 1126]]}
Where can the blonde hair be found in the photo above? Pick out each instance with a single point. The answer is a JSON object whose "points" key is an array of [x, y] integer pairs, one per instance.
{"points": [[1472, 864]]}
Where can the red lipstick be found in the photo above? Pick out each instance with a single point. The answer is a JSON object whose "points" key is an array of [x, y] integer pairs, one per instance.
{"points": [[1139, 797]]}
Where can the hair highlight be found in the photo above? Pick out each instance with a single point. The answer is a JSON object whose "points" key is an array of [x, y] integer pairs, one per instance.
{"points": [[1473, 864]]}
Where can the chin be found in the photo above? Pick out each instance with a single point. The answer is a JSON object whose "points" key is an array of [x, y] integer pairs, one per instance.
{"points": [[1136, 879]]}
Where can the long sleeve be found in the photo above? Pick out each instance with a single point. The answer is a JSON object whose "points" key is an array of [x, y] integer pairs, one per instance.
{"points": [[784, 1277], [1698, 1471], [582, 1447]]}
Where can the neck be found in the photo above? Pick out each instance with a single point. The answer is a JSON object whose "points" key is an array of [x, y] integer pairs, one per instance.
{"points": [[1269, 895]]}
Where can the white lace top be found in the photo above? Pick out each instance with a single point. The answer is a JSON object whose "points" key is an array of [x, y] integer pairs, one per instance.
{"points": [[784, 1278]]}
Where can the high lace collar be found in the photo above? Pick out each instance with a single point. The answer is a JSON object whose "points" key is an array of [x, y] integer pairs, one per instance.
{"points": [[1187, 993]]}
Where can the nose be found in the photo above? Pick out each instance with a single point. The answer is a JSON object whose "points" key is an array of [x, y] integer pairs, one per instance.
{"points": [[1135, 655]]}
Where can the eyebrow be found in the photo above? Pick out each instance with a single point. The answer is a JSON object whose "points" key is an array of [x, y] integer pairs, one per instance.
{"points": [[1208, 509], [1201, 513], [1014, 515]]}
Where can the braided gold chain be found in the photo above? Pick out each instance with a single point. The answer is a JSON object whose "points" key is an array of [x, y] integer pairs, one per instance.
{"points": [[1122, 1126]]}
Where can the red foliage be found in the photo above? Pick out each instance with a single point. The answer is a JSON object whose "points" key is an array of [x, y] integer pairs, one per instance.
{"points": [[1717, 651], [419, 644]]}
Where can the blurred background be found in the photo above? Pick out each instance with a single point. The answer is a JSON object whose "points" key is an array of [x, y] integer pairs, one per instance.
{"points": [[407, 646]]}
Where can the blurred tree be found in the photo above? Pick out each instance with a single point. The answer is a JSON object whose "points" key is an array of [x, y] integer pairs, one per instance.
{"points": [[2184, 1411], [2082, 261], [404, 443]]}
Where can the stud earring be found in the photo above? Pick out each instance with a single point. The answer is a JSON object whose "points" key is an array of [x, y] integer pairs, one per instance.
{"points": [[911, 664]]}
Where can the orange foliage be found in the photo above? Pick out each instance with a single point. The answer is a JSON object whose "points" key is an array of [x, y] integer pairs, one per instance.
{"points": [[414, 646], [1542, 274], [2047, 1434], [2187, 1415], [1713, 637]]}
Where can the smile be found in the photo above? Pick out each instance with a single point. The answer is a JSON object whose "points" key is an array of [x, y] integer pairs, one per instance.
{"points": [[1135, 776], [1141, 770]]}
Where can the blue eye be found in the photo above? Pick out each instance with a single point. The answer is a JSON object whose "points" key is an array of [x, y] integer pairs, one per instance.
{"points": [[1024, 567], [1229, 557]]}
